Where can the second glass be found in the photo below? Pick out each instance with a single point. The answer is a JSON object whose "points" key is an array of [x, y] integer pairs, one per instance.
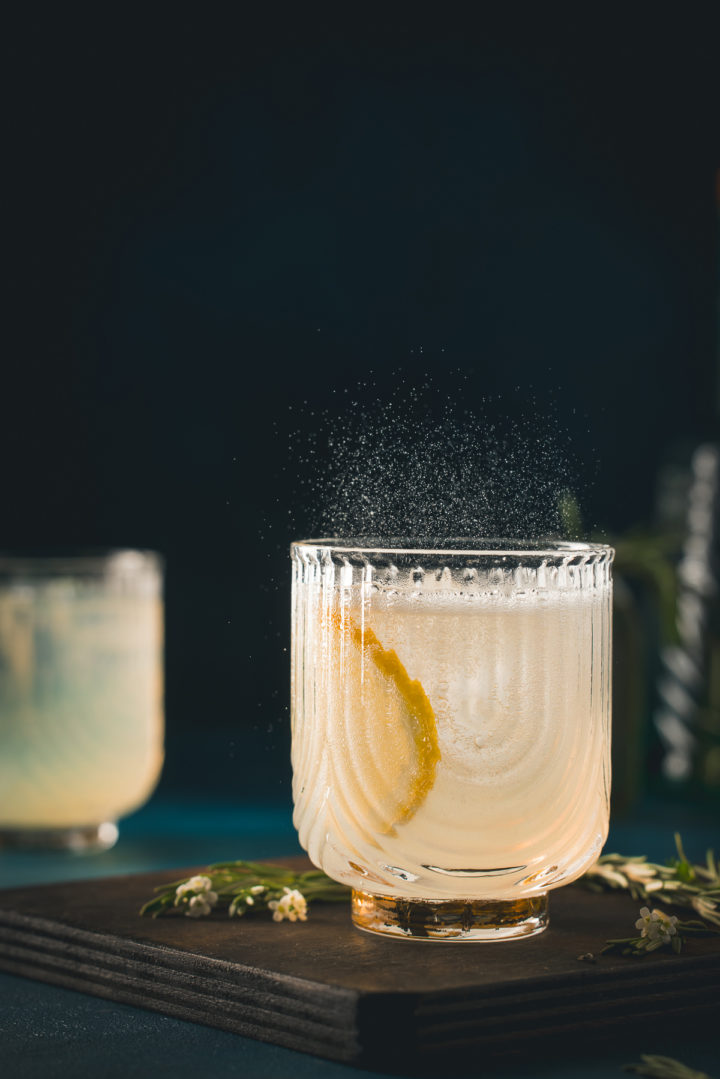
{"points": [[451, 727], [81, 695]]}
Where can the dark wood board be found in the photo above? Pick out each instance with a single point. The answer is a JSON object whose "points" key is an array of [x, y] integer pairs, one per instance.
{"points": [[326, 988]]}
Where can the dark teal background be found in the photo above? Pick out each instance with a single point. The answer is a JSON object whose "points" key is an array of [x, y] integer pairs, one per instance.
{"points": [[218, 217]]}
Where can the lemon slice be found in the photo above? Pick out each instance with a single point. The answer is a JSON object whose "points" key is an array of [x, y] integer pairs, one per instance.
{"points": [[386, 760]]}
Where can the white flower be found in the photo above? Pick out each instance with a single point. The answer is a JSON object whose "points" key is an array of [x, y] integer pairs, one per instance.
{"points": [[292, 906], [197, 896], [202, 904], [667, 925], [193, 886], [257, 889], [644, 921], [656, 926]]}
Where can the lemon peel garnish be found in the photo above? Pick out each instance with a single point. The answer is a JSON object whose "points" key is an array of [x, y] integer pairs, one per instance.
{"points": [[412, 783]]}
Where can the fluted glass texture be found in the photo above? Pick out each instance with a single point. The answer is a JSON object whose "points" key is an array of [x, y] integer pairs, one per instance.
{"points": [[451, 714]]}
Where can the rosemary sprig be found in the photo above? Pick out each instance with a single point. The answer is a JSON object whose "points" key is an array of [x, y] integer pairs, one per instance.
{"points": [[680, 885], [242, 887], [662, 931], [246, 887]]}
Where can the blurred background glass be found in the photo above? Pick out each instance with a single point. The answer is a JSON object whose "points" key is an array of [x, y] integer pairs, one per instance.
{"points": [[81, 695]]}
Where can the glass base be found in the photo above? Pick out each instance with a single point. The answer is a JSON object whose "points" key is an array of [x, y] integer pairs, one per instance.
{"points": [[88, 839], [450, 919]]}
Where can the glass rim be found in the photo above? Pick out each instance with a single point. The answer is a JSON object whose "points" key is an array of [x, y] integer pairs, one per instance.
{"points": [[458, 547], [80, 562]]}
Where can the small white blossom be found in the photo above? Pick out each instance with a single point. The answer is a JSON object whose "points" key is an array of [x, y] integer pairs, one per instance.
{"points": [[202, 904], [201, 884], [257, 889], [667, 925], [656, 926], [292, 906], [249, 901], [644, 921], [193, 886], [197, 896]]}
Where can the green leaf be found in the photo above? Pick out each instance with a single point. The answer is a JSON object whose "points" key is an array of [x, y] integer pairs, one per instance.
{"points": [[156, 906], [685, 872]]}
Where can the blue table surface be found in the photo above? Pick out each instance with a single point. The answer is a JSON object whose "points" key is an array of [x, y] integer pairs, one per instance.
{"points": [[51, 1032]]}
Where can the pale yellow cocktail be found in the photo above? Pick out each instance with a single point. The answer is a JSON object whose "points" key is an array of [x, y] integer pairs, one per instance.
{"points": [[451, 718]]}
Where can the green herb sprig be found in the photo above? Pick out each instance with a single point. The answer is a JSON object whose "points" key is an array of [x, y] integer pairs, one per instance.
{"points": [[243, 888], [680, 885]]}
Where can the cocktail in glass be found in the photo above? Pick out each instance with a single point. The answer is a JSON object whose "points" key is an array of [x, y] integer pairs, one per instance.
{"points": [[81, 695], [451, 726]]}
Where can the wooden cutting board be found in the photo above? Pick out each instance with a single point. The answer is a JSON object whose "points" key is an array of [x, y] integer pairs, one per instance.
{"points": [[326, 988]]}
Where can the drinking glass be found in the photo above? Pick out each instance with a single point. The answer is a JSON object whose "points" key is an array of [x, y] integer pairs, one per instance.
{"points": [[451, 726], [81, 695]]}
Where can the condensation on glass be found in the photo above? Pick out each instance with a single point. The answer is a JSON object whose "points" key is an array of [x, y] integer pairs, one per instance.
{"points": [[81, 695], [451, 726]]}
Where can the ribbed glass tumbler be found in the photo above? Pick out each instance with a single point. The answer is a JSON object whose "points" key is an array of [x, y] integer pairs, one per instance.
{"points": [[451, 727]]}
